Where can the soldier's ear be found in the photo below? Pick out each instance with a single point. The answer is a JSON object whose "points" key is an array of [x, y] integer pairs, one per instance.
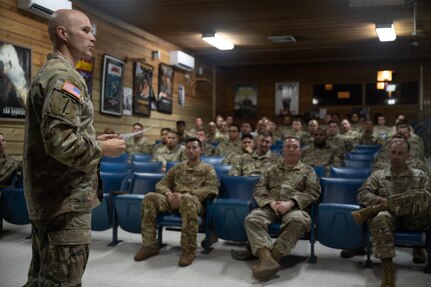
{"points": [[62, 33]]}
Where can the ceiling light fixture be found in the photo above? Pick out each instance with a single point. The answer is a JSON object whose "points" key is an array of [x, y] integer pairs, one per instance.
{"points": [[218, 41], [384, 76], [386, 32]]}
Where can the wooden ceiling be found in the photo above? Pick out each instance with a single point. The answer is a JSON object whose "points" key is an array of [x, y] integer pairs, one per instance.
{"points": [[326, 31]]}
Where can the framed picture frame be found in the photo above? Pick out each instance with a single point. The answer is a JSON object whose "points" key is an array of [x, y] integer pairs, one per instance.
{"points": [[181, 95], [85, 67], [166, 83], [245, 105], [127, 101], [15, 77], [286, 98], [143, 93], [112, 86]]}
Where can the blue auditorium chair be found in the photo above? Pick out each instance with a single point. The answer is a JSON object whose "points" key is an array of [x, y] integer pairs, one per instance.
{"points": [[320, 170], [170, 164], [359, 156], [374, 148], [117, 167], [124, 157], [141, 157], [350, 172], [336, 227], [13, 207], [234, 203], [221, 170], [357, 163], [212, 159], [147, 167]]}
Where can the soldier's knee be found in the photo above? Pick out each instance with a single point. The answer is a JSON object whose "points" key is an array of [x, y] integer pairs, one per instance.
{"points": [[189, 202], [381, 219]]}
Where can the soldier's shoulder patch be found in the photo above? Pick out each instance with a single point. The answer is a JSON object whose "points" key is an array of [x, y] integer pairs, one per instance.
{"points": [[71, 89]]}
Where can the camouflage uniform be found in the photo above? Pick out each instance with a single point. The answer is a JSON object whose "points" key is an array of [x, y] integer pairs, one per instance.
{"points": [[368, 139], [357, 127], [283, 131], [408, 198], [342, 143], [280, 182], [253, 164], [227, 149], [382, 133], [8, 167], [327, 156], [196, 184], [164, 154], [157, 147], [143, 145], [61, 155], [350, 136], [208, 150]]}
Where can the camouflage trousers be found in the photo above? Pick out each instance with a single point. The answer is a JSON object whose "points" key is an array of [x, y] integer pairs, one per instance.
{"points": [[410, 211], [293, 225], [60, 250], [190, 208]]}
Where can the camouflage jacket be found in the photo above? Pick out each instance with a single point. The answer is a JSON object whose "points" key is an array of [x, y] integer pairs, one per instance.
{"points": [[280, 182], [8, 167], [327, 156], [200, 180], [143, 145], [164, 154], [61, 153], [368, 139], [384, 183], [227, 147], [342, 143], [253, 164]]}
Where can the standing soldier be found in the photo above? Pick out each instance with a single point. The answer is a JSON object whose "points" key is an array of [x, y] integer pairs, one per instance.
{"points": [[183, 189], [396, 197], [284, 192], [61, 155]]}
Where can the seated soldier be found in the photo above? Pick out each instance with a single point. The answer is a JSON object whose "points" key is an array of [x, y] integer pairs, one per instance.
{"points": [[183, 189], [163, 139], [8, 165], [138, 144], [173, 151], [368, 137], [320, 153], [207, 149], [230, 147], [397, 197], [284, 192]]}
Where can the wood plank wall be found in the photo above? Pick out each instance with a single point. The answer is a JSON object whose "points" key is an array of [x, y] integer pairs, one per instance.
{"points": [[117, 39], [307, 76]]}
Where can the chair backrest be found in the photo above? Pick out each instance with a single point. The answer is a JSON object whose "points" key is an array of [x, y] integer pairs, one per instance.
{"points": [[141, 157], [13, 206], [147, 166], [360, 156], [320, 170], [117, 167], [221, 170], [170, 164], [124, 157], [350, 172], [142, 183], [238, 187], [375, 148], [212, 159], [112, 181], [357, 163], [339, 190]]}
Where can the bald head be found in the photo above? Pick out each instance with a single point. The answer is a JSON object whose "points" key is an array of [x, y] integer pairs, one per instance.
{"points": [[70, 34]]}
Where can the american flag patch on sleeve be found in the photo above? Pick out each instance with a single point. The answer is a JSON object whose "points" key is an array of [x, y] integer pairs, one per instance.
{"points": [[71, 89]]}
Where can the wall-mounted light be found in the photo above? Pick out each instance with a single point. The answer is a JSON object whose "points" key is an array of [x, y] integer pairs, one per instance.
{"points": [[384, 76], [380, 85], [328, 87], [218, 41], [386, 32]]}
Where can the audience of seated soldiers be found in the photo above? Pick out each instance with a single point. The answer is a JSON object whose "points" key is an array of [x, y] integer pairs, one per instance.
{"points": [[139, 143], [173, 151], [368, 137], [207, 149], [232, 146]]}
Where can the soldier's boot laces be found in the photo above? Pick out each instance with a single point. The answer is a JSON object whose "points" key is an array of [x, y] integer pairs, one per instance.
{"points": [[419, 256], [362, 215], [267, 266], [187, 257], [388, 273], [146, 252]]}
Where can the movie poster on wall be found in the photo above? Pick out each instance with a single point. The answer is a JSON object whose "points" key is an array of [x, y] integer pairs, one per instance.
{"points": [[15, 76], [85, 67], [112, 86], [143, 93], [245, 101], [127, 101], [166, 82], [286, 98]]}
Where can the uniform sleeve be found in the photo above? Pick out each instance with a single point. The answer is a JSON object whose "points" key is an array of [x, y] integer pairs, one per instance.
{"points": [[166, 183], [261, 193], [368, 192], [236, 169], [337, 159], [311, 191], [8, 170], [210, 188], [61, 120]]}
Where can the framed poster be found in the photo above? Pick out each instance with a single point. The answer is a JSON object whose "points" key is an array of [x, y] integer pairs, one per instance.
{"points": [[127, 101], [112, 86], [166, 82], [143, 94], [15, 74], [286, 98], [245, 101], [85, 68]]}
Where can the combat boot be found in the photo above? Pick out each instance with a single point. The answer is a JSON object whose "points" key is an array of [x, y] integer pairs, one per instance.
{"points": [[243, 254], [187, 257], [362, 215], [276, 255], [146, 252], [211, 240], [267, 266], [388, 273], [419, 256]]}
